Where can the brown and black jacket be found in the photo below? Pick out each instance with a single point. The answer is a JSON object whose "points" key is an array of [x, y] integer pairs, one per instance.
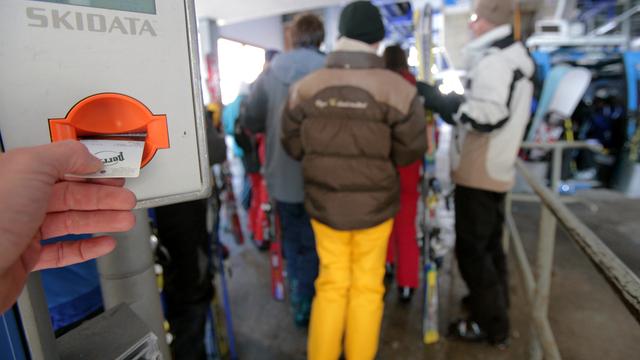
{"points": [[351, 124]]}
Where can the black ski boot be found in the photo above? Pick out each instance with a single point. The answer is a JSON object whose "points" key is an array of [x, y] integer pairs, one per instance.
{"points": [[470, 331], [466, 330], [405, 294]]}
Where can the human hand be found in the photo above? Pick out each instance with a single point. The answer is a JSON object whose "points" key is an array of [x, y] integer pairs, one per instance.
{"points": [[37, 202]]}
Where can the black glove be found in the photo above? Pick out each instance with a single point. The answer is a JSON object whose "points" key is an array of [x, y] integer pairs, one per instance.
{"points": [[434, 100]]}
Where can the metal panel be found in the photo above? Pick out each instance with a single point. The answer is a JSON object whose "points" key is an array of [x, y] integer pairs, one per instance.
{"points": [[127, 276], [34, 314], [10, 340]]}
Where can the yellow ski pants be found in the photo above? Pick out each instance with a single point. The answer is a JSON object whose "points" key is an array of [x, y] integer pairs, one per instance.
{"points": [[349, 292]]}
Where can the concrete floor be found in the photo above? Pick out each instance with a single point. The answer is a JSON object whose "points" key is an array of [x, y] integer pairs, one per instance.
{"points": [[588, 320], [265, 330]]}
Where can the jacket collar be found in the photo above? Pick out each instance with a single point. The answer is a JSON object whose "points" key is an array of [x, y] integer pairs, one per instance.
{"points": [[347, 44], [353, 54], [504, 43], [496, 37], [477, 49]]}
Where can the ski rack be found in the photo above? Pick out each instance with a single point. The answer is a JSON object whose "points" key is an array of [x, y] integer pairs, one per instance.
{"points": [[595, 38], [632, 70], [553, 51], [577, 41]]}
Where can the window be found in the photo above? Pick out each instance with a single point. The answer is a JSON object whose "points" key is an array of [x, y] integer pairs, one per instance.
{"points": [[239, 65]]}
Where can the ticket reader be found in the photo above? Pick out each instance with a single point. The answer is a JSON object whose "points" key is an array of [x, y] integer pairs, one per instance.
{"points": [[84, 69], [108, 69]]}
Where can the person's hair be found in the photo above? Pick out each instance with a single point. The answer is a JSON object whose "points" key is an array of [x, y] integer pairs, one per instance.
{"points": [[395, 58], [307, 31]]}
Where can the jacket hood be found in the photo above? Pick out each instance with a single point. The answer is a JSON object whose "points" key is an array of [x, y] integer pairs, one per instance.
{"points": [[294, 65]]}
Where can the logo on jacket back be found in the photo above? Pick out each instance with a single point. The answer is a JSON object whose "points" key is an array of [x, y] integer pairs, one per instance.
{"points": [[343, 104], [80, 21]]}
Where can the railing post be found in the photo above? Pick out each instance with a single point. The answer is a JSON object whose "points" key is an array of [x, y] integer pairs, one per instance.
{"points": [[544, 260], [556, 169], [544, 267]]}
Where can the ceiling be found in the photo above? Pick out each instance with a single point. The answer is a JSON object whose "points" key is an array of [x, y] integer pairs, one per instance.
{"points": [[230, 11]]}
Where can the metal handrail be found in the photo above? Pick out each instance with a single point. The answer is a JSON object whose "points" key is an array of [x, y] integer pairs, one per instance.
{"points": [[614, 23], [624, 282], [563, 145], [619, 276]]}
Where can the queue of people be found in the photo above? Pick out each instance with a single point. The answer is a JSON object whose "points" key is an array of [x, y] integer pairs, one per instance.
{"points": [[358, 132], [344, 135], [350, 124]]}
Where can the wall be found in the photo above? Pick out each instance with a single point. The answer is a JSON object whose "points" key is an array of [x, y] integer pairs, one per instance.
{"points": [[268, 32], [265, 32], [242, 10]]}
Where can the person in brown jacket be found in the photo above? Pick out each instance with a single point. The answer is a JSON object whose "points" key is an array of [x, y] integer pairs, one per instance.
{"points": [[351, 124]]}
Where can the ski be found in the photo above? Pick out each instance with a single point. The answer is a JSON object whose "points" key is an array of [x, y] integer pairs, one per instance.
{"points": [[218, 346], [230, 205], [265, 211], [233, 355], [221, 313], [424, 42], [430, 331], [275, 256], [221, 340]]}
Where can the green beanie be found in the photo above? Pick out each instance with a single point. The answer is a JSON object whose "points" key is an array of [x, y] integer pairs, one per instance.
{"points": [[362, 21]]}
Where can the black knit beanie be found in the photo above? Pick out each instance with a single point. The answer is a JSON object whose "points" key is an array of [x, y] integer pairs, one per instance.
{"points": [[362, 21]]}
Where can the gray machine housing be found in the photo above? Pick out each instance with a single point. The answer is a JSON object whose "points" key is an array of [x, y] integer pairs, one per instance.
{"points": [[54, 54]]}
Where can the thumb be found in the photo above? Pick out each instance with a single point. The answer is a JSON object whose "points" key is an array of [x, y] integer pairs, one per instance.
{"points": [[67, 157]]}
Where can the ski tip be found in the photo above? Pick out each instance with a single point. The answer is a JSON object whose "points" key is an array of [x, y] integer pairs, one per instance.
{"points": [[431, 337]]}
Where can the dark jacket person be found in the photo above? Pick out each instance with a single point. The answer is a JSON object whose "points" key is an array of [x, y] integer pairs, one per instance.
{"points": [[263, 113]]}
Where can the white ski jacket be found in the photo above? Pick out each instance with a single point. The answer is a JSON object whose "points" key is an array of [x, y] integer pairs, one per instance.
{"points": [[494, 112]]}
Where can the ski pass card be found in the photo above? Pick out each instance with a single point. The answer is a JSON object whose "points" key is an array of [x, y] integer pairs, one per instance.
{"points": [[121, 158]]}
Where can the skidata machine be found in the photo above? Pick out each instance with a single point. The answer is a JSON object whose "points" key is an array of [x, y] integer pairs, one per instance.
{"points": [[87, 69]]}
